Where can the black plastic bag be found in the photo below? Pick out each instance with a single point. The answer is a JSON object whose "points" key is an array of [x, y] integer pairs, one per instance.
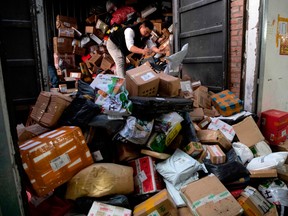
{"points": [[82, 109], [230, 171]]}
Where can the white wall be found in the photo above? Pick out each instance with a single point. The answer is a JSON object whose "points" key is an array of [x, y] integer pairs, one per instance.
{"points": [[250, 71], [273, 79]]}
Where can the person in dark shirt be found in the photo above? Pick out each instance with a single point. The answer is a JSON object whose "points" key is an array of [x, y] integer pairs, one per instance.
{"points": [[134, 39]]}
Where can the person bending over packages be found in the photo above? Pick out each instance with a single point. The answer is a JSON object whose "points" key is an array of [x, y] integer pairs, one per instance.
{"points": [[132, 39]]}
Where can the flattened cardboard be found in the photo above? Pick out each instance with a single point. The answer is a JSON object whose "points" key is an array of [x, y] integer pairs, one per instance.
{"points": [[248, 132]]}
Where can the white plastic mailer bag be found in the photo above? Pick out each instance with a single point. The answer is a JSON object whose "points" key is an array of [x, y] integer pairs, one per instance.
{"points": [[243, 152], [180, 169], [269, 161], [175, 60]]}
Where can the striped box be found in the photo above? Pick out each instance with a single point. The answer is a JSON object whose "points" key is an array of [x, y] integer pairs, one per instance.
{"points": [[53, 158]]}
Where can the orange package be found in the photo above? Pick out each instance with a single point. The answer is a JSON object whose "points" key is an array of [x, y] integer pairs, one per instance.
{"points": [[53, 158]]}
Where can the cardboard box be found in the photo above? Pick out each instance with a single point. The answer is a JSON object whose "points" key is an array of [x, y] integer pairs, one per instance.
{"points": [[142, 81], [91, 19], [226, 103], [197, 114], [204, 123], [248, 132], [168, 85], [62, 45], [146, 178], [193, 149], [68, 60], [215, 154], [208, 196], [96, 59], [226, 129], [79, 51], [269, 173], [65, 22], [102, 26], [184, 211], [202, 98], [90, 29], [66, 32], [159, 141], [161, 204], [26, 133], [253, 202], [282, 172], [106, 62], [103, 209], [53, 158], [214, 137], [49, 108]]}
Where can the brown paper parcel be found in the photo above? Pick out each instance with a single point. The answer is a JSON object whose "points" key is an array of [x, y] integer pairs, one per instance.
{"points": [[101, 179]]}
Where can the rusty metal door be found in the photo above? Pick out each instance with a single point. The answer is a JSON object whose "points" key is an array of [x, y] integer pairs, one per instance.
{"points": [[203, 24]]}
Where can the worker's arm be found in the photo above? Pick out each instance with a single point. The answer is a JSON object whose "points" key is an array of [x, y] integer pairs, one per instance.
{"points": [[129, 39]]}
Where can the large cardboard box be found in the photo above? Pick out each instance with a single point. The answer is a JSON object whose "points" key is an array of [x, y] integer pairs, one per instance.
{"points": [[62, 45], [226, 103], [102, 209], [142, 81], [66, 32], [248, 132], [66, 22], [49, 108], [161, 204], [146, 178], [168, 85], [52, 158], [202, 98], [208, 196]]}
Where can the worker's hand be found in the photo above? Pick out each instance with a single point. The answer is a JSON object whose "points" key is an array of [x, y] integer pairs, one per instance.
{"points": [[147, 51]]}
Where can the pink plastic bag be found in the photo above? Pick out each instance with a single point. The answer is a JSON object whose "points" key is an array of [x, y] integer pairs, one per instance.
{"points": [[121, 15]]}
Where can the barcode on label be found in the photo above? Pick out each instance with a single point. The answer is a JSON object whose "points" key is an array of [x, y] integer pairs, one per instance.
{"points": [[59, 162]]}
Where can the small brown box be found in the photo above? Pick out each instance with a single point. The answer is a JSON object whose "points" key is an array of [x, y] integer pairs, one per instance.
{"points": [[91, 19], [217, 156], [193, 149], [90, 29], [142, 81], [106, 62], [204, 123], [197, 114], [96, 59]]}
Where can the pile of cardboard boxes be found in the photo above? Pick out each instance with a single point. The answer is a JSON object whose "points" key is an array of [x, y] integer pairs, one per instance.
{"points": [[203, 128]]}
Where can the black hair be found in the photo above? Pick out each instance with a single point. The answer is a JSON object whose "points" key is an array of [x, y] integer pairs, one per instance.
{"points": [[148, 24]]}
